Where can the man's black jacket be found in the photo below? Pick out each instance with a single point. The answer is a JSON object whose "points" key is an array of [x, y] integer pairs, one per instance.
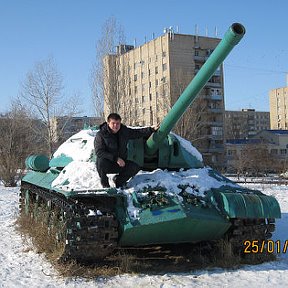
{"points": [[111, 146]]}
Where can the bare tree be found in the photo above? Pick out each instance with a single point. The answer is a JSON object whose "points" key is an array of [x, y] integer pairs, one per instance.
{"points": [[253, 158], [193, 123], [234, 128], [107, 73], [17, 141], [42, 90]]}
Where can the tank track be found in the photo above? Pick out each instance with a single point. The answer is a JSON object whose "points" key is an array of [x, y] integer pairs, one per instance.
{"points": [[89, 231], [250, 229]]}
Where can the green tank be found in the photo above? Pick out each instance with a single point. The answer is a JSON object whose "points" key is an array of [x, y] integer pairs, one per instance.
{"points": [[174, 199]]}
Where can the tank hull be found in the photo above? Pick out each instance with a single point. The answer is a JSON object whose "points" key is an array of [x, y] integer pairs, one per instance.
{"points": [[174, 225]]}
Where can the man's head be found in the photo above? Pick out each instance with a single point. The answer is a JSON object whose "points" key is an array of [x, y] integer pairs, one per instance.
{"points": [[114, 122]]}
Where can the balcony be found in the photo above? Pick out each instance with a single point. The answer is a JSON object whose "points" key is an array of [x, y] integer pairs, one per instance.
{"points": [[213, 84], [215, 137], [216, 97], [216, 149], [215, 123], [216, 110], [200, 58]]}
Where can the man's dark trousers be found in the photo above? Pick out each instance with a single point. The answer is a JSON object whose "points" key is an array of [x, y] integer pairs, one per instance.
{"points": [[105, 166]]}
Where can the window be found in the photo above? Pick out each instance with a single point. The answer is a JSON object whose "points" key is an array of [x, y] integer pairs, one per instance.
{"points": [[135, 77], [164, 66], [163, 54], [274, 151], [156, 82], [165, 92], [283, 151], [142, 75], [135, 89], [217, 131], [150, 97], [156, 70], [143, 99]]}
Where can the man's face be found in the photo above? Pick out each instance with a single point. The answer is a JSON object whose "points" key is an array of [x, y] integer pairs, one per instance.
{"points": [[114, 125]]}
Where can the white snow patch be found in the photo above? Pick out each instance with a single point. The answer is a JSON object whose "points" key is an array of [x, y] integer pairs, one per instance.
{"points": [[79, 146], [189, 147], [78, 175], [198, 180]]}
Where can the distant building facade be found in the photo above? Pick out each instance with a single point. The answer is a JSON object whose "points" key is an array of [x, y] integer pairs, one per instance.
{"points": [[279, 108], [245, 123], [154, 75], [64, 127], [278, 142], [268, 150]]}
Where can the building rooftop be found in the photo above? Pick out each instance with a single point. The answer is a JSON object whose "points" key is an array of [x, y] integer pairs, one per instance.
{"points": [[279, 132]]}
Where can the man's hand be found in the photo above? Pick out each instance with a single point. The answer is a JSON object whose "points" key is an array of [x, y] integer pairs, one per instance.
{"points": [[155, 127], [120, 162]]}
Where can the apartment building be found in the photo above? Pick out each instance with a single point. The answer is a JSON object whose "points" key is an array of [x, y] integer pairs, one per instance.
{"points": [[152, 76], [245, 123], [279, 108]]}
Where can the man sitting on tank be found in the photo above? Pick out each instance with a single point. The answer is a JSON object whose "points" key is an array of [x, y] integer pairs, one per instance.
{"points": [[111, 150]]}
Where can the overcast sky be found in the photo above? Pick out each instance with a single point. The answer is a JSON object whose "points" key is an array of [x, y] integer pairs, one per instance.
{"points": [[33, 30]]}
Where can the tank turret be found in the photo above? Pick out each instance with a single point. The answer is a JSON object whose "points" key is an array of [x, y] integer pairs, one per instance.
{"points": [[164, 150]]}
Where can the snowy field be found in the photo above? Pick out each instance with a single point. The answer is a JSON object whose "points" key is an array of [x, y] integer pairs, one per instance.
{"points": [[21, 267]]}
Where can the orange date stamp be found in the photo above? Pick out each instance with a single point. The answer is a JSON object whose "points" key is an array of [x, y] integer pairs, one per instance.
{"points": [[265, 246]]}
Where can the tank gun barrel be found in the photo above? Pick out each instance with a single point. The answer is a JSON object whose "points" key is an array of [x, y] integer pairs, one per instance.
{"points": [[231, 38]]}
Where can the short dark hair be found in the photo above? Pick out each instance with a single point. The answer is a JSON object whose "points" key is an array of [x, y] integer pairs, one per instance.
{"points": [[113, 116]]}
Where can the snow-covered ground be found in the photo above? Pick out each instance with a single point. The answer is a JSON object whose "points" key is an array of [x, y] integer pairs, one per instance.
{"points": [[21, 267]]}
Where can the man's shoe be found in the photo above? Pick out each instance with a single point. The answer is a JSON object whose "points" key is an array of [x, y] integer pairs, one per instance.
{"points": [[105, 185], [114, 179], [118, 184]]}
